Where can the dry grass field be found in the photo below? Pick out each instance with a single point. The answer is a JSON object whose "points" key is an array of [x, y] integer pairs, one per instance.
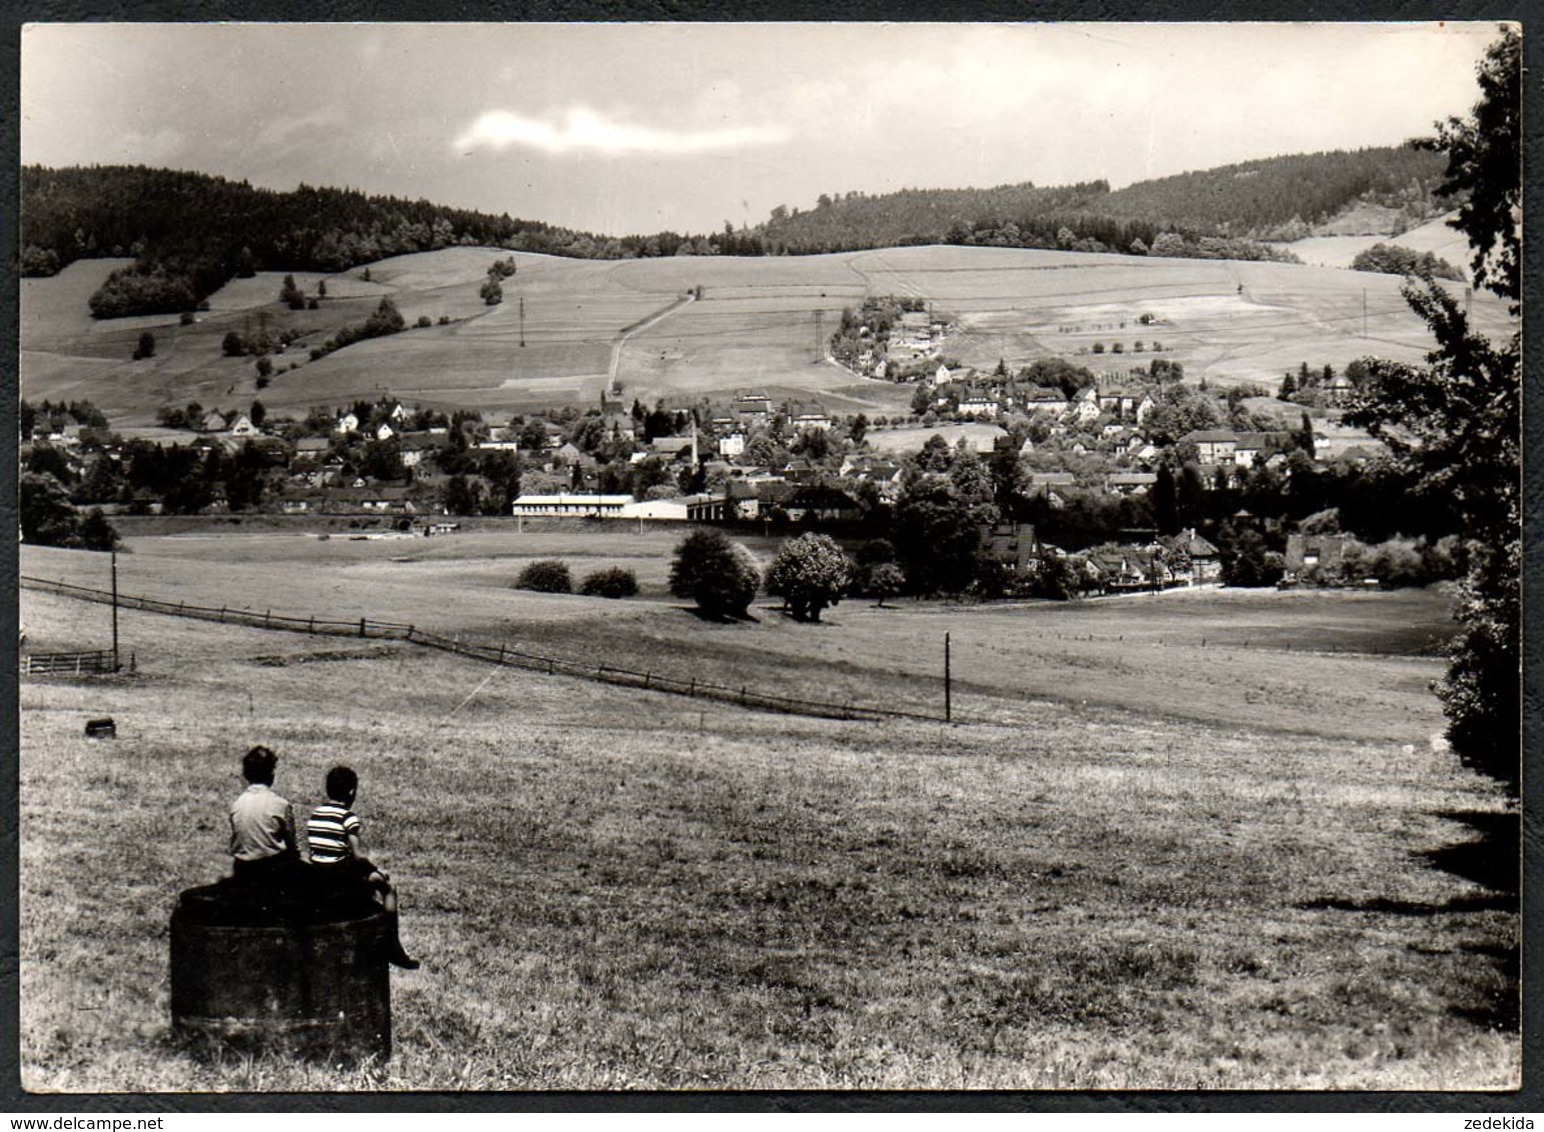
{"points": [[754, 327], [1190, 842]]}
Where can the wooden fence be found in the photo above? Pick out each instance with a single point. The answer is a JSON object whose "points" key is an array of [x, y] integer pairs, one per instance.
{"points": [[73, 663], [500, 654]]}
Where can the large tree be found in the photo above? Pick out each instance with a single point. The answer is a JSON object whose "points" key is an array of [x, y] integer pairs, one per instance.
{"points": [[1455, 424], [809, 573], [717, 574]]}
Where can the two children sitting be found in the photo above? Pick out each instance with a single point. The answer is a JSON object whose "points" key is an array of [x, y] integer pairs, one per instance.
{"points": [[265, 848]]}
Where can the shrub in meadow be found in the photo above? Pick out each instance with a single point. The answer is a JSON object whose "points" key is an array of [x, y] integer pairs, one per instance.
{"points": [[611, 582], [548, 576]]}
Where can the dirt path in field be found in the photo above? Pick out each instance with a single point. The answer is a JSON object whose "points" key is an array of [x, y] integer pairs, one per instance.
{"points": [[653, 320]]}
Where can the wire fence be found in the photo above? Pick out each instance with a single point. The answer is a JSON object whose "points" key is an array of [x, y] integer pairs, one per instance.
{"points": [[501, 654]]}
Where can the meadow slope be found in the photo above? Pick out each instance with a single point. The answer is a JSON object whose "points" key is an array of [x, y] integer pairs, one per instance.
{"points": [[621, 889], [761, 322]]}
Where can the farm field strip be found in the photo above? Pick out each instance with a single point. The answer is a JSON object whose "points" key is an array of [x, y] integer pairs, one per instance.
{"points": [[753, 327]]}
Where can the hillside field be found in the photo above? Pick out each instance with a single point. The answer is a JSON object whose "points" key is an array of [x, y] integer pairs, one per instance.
{"points": [[1184, 842], [754, 327], [1434, 236]]}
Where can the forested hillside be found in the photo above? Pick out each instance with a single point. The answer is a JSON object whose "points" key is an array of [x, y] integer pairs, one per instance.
{"points": [[1283, 197], [1279, 198], [857, 220], [189, 233]]}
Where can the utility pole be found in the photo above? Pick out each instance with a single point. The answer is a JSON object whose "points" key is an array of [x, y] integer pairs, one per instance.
{"points": [[115, 609], [820, 341], [948, 685], [522, 322], [1364, 312]]}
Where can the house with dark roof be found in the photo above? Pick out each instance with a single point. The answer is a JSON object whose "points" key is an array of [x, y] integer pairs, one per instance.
{"points": [[1205, 561], [822, 503], [1043, 400]]}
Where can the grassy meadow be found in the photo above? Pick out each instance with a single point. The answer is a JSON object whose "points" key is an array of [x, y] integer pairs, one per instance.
{"points": [[1434, 236], [754, 327], [1184, 842]]}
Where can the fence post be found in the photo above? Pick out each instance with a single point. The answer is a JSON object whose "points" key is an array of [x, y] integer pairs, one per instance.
{"points": [[646, 678], [268, 619], [692, 691], [361, 626], [501, 652], [549, 666], [410, 633], [78, 658], [311, 628], [742, 693]]}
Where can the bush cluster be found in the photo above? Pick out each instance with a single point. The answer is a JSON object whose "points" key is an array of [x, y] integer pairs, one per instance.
{"points": [[548, 576], [614, 582]]}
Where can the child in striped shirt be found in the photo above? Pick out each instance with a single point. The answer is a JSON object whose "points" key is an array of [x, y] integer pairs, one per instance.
{"points": [[333, 834]]}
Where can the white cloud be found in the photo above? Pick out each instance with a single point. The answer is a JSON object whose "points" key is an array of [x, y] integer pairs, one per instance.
{"points": [[583, 129]]}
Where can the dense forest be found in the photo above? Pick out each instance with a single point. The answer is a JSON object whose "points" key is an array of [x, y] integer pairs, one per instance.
{"points": [[1279, 198], [189, 233], [857, 220], [1282, 198]]}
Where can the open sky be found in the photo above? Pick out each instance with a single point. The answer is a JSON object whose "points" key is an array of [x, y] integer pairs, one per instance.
{"points": [[630, 128]]}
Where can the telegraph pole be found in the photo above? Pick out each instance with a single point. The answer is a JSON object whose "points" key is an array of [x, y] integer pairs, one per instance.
{"points": [[1364, 312], [948, 685], [820, 343], [115, 609], [522, 322]]}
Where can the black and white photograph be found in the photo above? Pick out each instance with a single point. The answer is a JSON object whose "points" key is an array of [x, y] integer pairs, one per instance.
{"points": [[701, 556]]}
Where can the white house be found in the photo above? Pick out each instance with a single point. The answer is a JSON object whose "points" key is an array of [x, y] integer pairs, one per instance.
{"points": [[245, 427], [978, 404], [1213, 445], [732, 445], [1043, 400], [385, 432]]}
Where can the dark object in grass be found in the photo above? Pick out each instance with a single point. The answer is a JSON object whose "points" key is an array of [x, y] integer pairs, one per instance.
{"points": [[101, 728], [259, 969]]}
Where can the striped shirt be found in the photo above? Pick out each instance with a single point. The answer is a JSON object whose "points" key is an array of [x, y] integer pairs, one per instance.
{"points": [[328, 831]]}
